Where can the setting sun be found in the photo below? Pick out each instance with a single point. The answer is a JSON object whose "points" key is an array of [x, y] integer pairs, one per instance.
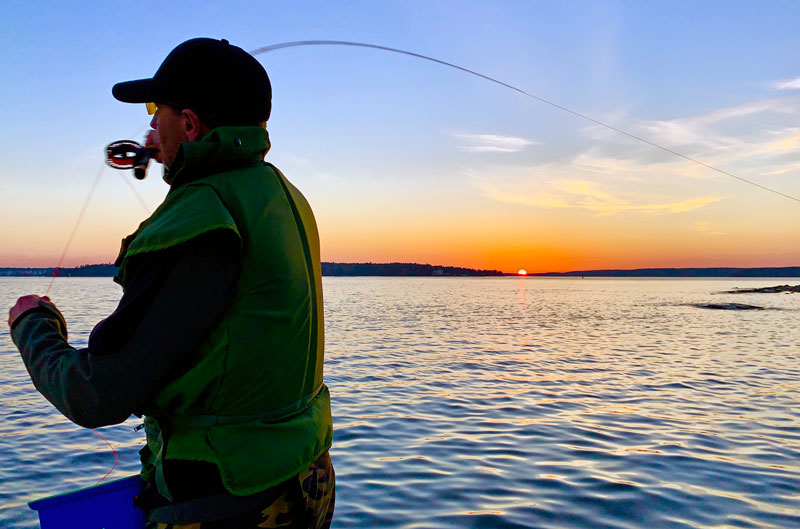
{"points": [[522, 273]]}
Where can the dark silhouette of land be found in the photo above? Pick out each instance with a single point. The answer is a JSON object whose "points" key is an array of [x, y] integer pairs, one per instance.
{"points": [[786, 271], [726, 306], [94, 270], [328, 269], [762, 290], [401, 269], [420, 270]]}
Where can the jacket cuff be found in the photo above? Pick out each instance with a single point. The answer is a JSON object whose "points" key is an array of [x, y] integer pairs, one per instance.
{"points": [[47, 310]]}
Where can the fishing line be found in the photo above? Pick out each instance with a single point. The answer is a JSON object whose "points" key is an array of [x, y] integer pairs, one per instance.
{"points": [[80, 218], [75, 227], [136, 193], [298, 43], [55, 274], [130, 184], [61, 262], [116, 457], [83, 210]]}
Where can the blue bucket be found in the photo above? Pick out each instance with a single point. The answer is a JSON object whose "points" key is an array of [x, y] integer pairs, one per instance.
{"points": [[107, 506]]}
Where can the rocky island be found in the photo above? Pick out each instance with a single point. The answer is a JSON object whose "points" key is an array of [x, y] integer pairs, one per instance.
{"points": [[762, 290]]}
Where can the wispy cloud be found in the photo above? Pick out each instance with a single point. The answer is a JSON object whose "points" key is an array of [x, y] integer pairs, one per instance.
{"points": [[788, 140], [726, 128], [790, 84], [705, 227], [592, 196], [493, 143], [784, 169]]}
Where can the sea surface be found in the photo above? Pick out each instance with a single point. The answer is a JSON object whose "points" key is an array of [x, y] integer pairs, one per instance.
{"points": [[500, 403]]}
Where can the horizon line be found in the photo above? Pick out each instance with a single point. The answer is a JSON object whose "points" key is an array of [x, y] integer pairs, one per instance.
{"points": [[586, 271]]}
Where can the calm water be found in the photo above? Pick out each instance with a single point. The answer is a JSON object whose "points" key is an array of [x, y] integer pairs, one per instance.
{"points": [[501, 402]]}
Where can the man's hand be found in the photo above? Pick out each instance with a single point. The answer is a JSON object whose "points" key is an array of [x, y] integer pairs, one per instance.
{"points": [[153, 142], [26, 303]]}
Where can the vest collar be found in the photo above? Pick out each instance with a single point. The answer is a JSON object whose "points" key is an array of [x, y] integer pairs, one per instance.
{"points": [[221, 149]]}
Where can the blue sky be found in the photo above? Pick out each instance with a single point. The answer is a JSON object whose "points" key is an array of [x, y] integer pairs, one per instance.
{"points": [[407, 160]]}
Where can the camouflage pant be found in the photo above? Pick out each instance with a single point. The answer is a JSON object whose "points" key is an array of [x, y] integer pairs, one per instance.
{"points": [[306, 502]]}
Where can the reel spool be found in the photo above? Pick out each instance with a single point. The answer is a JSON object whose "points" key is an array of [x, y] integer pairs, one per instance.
{"points": [[127, 154]]}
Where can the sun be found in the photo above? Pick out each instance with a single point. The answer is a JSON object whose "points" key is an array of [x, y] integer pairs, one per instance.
{"points": [[522, 272]]}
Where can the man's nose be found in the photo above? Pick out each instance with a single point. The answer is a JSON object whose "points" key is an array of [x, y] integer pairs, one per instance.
{"points": [[154, 121]]}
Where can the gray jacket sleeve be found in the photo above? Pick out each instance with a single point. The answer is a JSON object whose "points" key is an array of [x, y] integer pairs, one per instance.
{"points": [[174, 299]]}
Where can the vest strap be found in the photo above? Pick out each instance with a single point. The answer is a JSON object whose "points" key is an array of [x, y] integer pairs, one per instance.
{"points": [[160, 479], [206, 421], [214, 507]]}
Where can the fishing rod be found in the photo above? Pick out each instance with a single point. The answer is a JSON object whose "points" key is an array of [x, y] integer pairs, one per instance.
{"points": [[299, 43]]}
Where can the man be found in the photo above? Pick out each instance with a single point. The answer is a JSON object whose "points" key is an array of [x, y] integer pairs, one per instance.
{"points": [[218, 338]]}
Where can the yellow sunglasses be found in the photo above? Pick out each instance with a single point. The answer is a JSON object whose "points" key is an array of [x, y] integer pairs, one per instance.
{"points": [[151, 108]]}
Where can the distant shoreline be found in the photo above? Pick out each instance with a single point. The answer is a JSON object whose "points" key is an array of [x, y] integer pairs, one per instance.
{"points": [[427, 270], [786, 271]]}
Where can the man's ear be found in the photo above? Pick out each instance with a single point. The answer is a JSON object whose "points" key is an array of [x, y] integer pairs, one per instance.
{"points": [[193, 126]]}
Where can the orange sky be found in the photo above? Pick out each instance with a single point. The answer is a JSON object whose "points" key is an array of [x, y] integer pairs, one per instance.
{"points": [[405, 160], [463, 228]]}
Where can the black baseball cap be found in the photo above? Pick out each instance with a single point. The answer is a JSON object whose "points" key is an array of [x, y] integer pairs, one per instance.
{"points": [[224, 84]]}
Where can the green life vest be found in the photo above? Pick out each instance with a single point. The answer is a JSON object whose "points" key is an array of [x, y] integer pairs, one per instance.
{"points": [[252, 400]]}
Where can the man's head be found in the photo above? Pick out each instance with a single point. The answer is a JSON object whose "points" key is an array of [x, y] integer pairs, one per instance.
{"points": [[203, 83]]}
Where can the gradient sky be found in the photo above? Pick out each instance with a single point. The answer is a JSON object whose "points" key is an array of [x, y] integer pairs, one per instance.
{"points": [[405, 160]]}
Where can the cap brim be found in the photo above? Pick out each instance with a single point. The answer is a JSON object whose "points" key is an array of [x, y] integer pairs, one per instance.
{"points": [[138, 91]]}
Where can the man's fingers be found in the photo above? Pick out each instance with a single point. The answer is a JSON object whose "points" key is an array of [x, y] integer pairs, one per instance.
{"points": [[153, 142], [29, 299], [24, 304]]}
